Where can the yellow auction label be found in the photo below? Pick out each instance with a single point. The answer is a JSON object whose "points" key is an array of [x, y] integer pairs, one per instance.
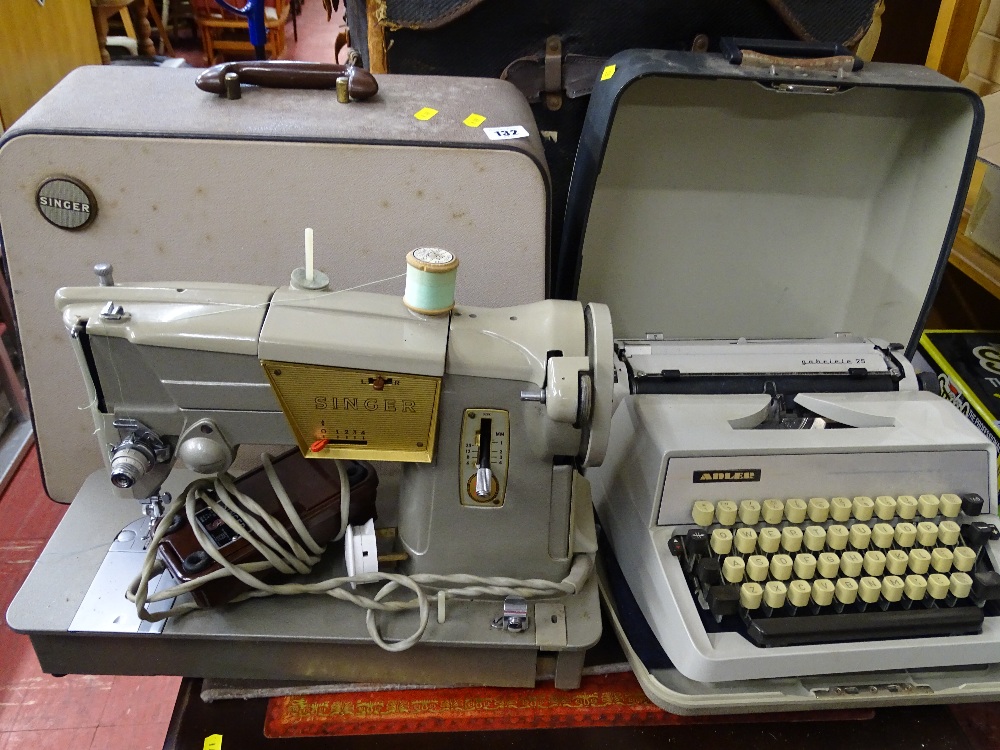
{"points": [[474, 120], [213, 742], [425, 114], [361, 414], [608, 72]]}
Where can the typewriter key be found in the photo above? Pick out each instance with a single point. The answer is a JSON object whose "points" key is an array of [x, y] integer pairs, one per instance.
{"points": [[919, 561], [948, 533], [885, 507], [846, 590], [906, 507], [863, 507], [896, 561], [805, 565], [836, 537], [937, 586], [927, 533], [840, 509], [942, 559], [750, 595], [768, 540], [703, 513], [905, 534], [795, 510], [773, 511], [964, 559], [950, 505], [892, 588], [791, 539], [859, 536], [749, 512], [722, 541], [928, 505], [819, 509], [869, 589], [851, 563]]}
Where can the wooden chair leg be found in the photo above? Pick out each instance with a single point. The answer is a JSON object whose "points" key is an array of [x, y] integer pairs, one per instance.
{"points": [[160, 27], [206, 45], [143, 31]]}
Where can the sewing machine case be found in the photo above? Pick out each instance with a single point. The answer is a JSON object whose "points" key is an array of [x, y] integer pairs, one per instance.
{"points": [[191, 187], [713, 200], [188, 185]]}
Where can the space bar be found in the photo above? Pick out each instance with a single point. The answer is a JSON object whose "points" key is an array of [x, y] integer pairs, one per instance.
{"points": [[864, 626]]}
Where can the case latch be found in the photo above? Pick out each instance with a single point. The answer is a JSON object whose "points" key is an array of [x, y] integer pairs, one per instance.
{"points": [[553, 73]]}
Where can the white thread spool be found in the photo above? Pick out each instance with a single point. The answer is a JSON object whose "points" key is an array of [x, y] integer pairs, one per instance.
{"points": [[430, 280]]}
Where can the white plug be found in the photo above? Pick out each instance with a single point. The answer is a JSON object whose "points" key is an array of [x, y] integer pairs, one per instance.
{"points": [[360, 550]]}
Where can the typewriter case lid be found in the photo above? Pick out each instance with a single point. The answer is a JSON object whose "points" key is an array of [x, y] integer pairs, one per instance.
{"points": [[710, 200]]}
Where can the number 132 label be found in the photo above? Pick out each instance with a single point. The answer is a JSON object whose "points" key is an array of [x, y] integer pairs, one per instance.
{"points": [[506, 133]]}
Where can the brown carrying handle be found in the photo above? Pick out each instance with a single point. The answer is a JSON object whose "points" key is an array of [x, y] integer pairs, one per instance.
{"points": [[226, 78], [835, 62], [782, 53]]}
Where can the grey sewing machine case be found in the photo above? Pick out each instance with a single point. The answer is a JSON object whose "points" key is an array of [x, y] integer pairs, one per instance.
{"points": [[186, 185], [713, 201]]}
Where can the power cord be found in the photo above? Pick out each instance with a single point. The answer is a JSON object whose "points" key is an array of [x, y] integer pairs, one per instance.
{"points": [[290, 555]]}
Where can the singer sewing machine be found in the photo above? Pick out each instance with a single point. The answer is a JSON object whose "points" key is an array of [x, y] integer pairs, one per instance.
{"points": [[489, 411], [473, 479]]}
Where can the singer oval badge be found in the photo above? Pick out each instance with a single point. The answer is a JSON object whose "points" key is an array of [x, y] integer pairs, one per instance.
{"points": [[66, 203]]}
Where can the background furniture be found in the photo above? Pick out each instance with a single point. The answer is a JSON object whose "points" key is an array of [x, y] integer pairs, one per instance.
{"points": [[136, 9], [39, 44], [223, 32], [135, 15]]}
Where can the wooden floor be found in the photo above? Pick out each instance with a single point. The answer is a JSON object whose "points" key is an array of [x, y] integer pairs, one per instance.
{"points": [[317, 37], [77, 711]]}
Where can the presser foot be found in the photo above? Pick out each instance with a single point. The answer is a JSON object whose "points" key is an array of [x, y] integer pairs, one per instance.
{"points": [[104, 608]]}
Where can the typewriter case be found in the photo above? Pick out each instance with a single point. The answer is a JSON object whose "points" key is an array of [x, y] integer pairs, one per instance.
{"points": [[712, 201]]}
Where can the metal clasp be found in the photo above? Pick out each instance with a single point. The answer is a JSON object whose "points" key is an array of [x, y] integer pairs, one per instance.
{"points": [[515, 615]]}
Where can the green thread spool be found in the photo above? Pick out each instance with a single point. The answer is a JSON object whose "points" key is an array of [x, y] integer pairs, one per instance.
{"points": [[430, 280]]}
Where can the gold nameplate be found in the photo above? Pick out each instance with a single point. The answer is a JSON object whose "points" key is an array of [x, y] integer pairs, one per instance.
{"points": [[362, 414]]}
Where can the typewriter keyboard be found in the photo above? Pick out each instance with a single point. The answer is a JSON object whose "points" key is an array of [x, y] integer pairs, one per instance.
{"points": [[817, 570]]}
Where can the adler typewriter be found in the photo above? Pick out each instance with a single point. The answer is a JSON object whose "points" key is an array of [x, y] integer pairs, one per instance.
{"points": [[789, 521], [211, 342]]}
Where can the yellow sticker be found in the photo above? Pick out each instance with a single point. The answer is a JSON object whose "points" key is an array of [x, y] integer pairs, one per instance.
{"points": [[474, 120], [213, 742], [425, 114], [608, 72]]}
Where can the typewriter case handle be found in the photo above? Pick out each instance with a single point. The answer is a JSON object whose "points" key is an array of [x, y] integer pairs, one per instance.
{"points": [[782, 53], [224, 79]]}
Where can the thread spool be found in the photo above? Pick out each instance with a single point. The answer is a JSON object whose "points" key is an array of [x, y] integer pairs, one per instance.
{"points": [[430, 280]]}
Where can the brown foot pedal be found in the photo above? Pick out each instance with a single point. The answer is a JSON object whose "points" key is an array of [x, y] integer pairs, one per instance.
{"points": [[314, 488]]}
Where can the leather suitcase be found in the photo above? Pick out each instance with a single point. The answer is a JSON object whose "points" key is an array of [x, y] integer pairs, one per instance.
{"points": [[554, 50]]}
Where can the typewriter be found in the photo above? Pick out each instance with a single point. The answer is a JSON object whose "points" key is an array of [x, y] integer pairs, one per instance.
{"points": [[769, 531], [789, 521]]}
